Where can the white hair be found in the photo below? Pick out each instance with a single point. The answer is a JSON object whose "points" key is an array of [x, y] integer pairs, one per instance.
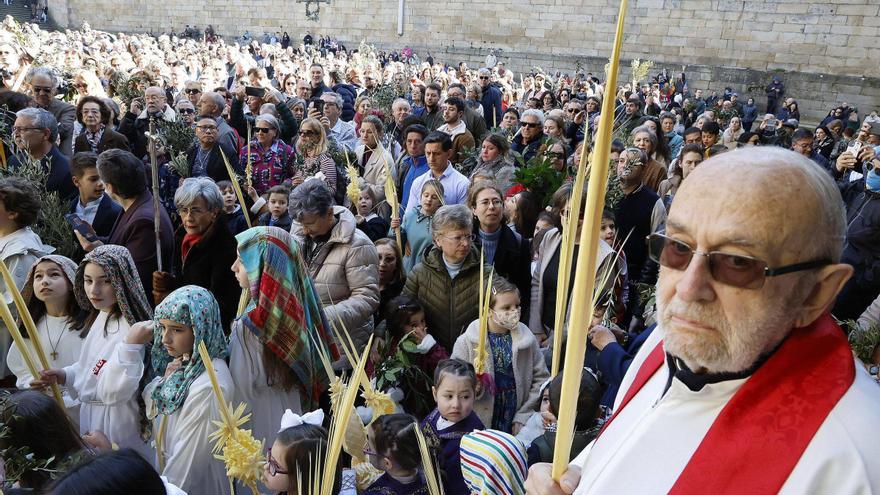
{"points": [[534, 113]]}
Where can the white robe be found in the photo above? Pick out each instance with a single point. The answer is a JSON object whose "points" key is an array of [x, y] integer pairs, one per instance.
{"points": [[189, 462], [105, 380], [650, 442], [53, 330], [265, 403]]}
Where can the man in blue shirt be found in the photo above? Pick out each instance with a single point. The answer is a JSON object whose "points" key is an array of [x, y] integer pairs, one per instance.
{"points": [[414, 164]]}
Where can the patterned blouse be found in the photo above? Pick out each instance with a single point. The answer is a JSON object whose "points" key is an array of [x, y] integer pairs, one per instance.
{"points": [[305, 167], [269, 167]]}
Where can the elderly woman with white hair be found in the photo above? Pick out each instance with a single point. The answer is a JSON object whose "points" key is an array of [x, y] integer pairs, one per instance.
{"points": [[204, 248], [446, 282], [270, 158]]}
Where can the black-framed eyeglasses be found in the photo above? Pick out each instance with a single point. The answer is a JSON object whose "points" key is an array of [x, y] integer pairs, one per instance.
{"points": [[484, 77], [40, 89], [274, 468], [735, 270]]}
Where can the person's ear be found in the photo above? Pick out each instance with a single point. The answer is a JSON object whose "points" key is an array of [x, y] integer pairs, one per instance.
{"points": [[434, 393], [829, 282]]}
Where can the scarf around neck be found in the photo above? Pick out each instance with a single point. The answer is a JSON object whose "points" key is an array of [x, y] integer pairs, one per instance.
{"points": [[196, 308]]}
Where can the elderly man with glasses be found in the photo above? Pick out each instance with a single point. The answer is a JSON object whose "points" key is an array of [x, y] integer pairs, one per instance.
{"points": [[34, 132], [531, 134], [205, 156], [491, 98], [746, 383], [43, 85]]}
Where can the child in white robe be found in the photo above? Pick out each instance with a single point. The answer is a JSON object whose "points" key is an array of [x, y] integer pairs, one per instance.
{"points": [[62, 321], [181, 395], [107, 376]]}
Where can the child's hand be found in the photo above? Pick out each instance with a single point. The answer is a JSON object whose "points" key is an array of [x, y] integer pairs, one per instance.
{"points": [[140, 333], [359, 218], [419, 334], [173, 366], [252, 193], [547, 418], [515, 429], [97, 440]]}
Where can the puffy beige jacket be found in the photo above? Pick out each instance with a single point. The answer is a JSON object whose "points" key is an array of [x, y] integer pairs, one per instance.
{"points": [[346, 275], [375, 169], [529, 371]]}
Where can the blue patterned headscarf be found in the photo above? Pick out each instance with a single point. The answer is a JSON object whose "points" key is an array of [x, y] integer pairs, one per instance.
{"points": [[194, 307]]}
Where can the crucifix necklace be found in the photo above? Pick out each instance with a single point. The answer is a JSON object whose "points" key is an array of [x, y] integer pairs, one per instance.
{"points": [[54, 346]]}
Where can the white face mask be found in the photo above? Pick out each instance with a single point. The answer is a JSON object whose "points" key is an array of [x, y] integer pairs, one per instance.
{"points": [[506, 319]]}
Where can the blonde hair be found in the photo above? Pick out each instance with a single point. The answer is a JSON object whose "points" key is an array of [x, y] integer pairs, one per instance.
{"points": [[315, 125]]}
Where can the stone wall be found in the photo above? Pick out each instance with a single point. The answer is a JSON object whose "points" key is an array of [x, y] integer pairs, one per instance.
{"points": [[825, 51]]}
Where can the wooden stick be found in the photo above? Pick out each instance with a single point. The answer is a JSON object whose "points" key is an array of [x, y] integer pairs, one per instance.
{"points": [[28, 322], [585, 277], [157, 215]]}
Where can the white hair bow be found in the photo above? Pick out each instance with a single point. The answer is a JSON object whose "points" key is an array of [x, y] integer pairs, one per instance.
{"points": [[290, 419]]}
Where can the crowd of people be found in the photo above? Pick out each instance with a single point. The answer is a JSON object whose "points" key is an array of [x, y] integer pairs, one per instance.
{"points": [[276, 203]]}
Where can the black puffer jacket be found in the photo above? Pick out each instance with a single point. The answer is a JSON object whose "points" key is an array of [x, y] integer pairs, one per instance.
{"points": [[349, 95]]}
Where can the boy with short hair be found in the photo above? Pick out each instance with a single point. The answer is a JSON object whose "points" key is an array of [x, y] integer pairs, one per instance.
{"points": [[91, 204], [277, 216], [233, 211]]}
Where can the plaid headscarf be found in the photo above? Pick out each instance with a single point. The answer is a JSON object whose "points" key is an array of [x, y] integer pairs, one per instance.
{"points": [[493, 463], [119, 268], [194, 307], [285, 312], [68, 267]]}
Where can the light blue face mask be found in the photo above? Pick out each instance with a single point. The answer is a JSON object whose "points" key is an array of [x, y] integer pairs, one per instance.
{"points": [[872, 180]]}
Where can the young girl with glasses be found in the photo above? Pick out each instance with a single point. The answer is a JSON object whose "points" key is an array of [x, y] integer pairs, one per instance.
{"points": [[296, 453]]}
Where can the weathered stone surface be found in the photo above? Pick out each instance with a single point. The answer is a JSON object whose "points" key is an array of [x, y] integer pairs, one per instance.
{"points": [[813, 41]]}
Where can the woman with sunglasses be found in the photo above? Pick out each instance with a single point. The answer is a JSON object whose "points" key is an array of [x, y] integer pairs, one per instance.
{"points": [[269, 159], [312, 155]]}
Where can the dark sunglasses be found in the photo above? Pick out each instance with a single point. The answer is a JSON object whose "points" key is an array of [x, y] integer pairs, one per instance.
{"points": [[530, 124], [192, 91], [186, 111], [263, 129], [735, 270], [308, 133]]}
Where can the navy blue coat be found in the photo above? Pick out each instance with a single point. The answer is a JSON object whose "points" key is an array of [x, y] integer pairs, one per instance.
{"points": [[614, 361], [491, 101]]}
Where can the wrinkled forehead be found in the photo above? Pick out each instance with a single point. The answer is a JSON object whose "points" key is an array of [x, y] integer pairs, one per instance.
{"points": [[769, 210]]}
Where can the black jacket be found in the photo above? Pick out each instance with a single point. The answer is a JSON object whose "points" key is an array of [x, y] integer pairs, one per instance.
{"points": [[349, 95], [109, 140], [208, 265], [106, 216], [216, 167], [513, 261]]}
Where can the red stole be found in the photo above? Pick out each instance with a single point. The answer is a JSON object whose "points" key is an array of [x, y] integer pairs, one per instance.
{"points": [[760, 435]]}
